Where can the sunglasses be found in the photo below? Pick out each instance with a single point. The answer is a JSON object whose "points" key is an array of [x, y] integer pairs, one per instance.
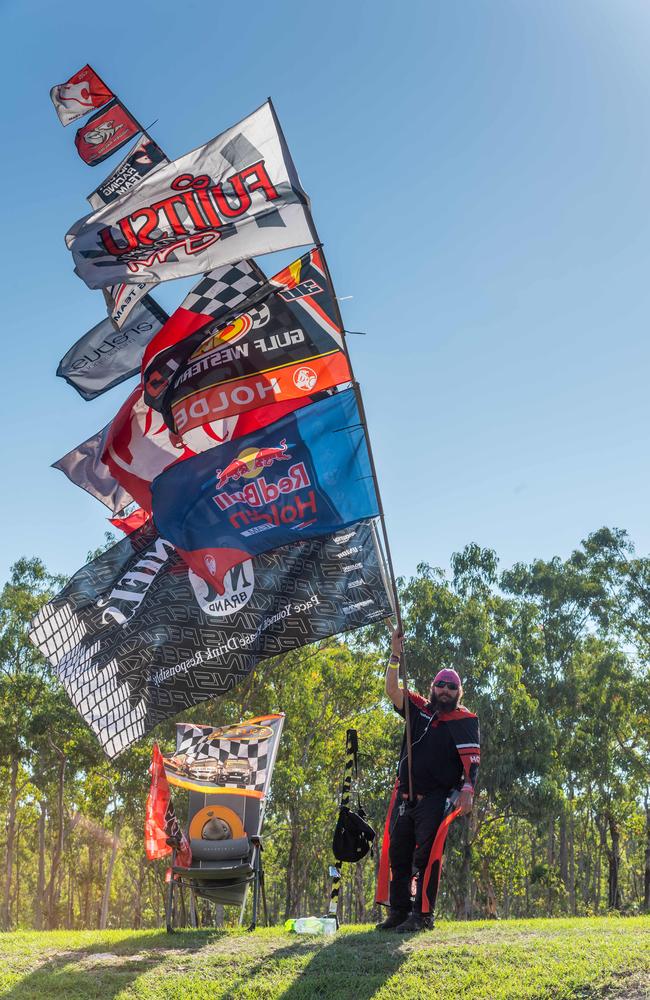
{"points": [[446, 684]]}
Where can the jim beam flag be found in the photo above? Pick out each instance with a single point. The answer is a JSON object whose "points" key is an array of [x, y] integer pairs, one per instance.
{"points": [[135, 637], [105, 133], [145, 156], [235, 197], [82, 93], [284, 344], [104, 356]]}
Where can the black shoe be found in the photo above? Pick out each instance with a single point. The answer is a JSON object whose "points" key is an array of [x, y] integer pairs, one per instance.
{"points": [[416, 922], [393, 920]]}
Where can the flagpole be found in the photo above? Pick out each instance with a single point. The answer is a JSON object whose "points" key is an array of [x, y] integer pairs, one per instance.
{"points": [[398, 613], [122, 105], [382, 516]]}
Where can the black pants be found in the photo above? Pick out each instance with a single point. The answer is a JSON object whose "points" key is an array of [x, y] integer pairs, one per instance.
{"points": [[412, 832]]}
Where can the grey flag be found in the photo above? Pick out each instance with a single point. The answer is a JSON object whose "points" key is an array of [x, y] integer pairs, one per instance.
{"points": [[84, 467], [104, 356]]}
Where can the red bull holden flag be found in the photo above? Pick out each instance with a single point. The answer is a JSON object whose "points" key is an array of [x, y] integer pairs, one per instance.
{"points": [[284, 344], [235, 197], [303, 476]]}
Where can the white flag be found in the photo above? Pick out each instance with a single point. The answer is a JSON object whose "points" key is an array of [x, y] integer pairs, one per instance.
{"points": [[238, 196]]}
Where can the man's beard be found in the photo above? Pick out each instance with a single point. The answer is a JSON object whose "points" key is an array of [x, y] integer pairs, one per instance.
{"points": [[445, 705]]}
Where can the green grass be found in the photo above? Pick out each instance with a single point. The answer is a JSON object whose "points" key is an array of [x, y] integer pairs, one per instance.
{"points": [[509, 960]]}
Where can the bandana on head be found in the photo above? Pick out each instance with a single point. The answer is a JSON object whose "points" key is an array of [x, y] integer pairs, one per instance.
{"points": [[447, 675]]}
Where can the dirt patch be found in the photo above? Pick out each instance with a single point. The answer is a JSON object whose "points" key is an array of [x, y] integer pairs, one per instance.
{"points": [[636, 987]]}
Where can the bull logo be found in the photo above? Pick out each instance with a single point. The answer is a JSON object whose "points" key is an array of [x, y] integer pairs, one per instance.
{"points": [[251, 461]]}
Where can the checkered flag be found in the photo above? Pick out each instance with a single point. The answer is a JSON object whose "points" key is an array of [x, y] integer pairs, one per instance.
{"points": [[222, 290], [246, 760]]}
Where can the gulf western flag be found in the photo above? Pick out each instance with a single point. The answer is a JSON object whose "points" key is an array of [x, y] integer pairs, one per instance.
{"points": [[303, 476]]}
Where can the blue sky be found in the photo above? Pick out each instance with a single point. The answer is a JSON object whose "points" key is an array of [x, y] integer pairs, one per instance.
{"points": [[479, 176]]}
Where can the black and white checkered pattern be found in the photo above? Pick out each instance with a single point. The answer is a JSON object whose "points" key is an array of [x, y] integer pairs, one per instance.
{"points": [[195, 743], [223, 289]]}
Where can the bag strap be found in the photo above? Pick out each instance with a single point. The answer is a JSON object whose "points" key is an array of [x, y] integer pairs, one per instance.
{"points": [[351, 764]]}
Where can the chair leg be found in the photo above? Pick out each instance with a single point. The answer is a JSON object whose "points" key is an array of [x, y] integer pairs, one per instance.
{"points": [[256, 888], [194, 917], [263, 893], [169, 906]]}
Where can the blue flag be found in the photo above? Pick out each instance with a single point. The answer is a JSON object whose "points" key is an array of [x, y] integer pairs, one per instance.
{"points": [[303, 476]]}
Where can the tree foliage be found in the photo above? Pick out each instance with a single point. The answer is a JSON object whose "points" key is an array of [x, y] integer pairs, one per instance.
{"points": [[554, 657]]}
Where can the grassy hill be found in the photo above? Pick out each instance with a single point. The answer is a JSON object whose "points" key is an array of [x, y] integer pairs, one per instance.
{"points": [[509, 960]]}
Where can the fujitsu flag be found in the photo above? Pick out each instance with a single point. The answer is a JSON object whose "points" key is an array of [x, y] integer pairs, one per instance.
{"points": [[284, 344], [82, 93], [105, 133], [235, 197], [301, 477], [145, 156], [136, 637], [162, 832]]}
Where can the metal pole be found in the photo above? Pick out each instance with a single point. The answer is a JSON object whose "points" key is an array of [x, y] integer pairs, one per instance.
{"points": [[382, 517]]}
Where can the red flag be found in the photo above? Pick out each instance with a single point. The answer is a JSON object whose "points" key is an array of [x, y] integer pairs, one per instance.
{"points": [[161, 828], [82, 93], [132, 521], [105, 133], [139, 445]]}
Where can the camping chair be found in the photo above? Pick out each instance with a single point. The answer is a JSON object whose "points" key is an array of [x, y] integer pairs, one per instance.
{"points": [[227, 773]]}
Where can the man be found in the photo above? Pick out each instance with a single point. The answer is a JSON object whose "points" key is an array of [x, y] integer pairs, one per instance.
{"points": [[446, 756]]}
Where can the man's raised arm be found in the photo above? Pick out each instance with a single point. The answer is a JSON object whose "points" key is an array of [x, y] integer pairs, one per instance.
{"points": [[393, 690]]}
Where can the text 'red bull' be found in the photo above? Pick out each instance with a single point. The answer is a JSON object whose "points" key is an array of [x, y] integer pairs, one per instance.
{"points": [[260, 492], [208, 206]]}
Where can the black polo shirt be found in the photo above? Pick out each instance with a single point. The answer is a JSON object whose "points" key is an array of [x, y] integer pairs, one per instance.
{"points": [[436, 763]]}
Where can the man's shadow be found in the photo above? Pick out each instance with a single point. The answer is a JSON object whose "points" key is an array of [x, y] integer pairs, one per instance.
{"points": [[108, 966], [349, 966]]}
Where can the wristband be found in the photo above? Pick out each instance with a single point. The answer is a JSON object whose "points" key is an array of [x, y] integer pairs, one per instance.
{"points": [[393, 659], [467, 787], [393, 666]]}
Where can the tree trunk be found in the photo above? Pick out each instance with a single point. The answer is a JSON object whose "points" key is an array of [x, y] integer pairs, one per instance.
{"points": [[106, 898], [646, 875], [5, 913], [614, 891], [572, 855], [54, 886], [290, 894], [550, 860], [39, 902], [466, 871], [564, 851]]}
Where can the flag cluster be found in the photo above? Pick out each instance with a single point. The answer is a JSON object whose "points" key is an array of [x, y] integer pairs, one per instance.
{"points": [[242, 440]]}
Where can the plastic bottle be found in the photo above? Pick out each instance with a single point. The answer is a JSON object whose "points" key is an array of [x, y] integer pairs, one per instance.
{"points": [[309, 925]]}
